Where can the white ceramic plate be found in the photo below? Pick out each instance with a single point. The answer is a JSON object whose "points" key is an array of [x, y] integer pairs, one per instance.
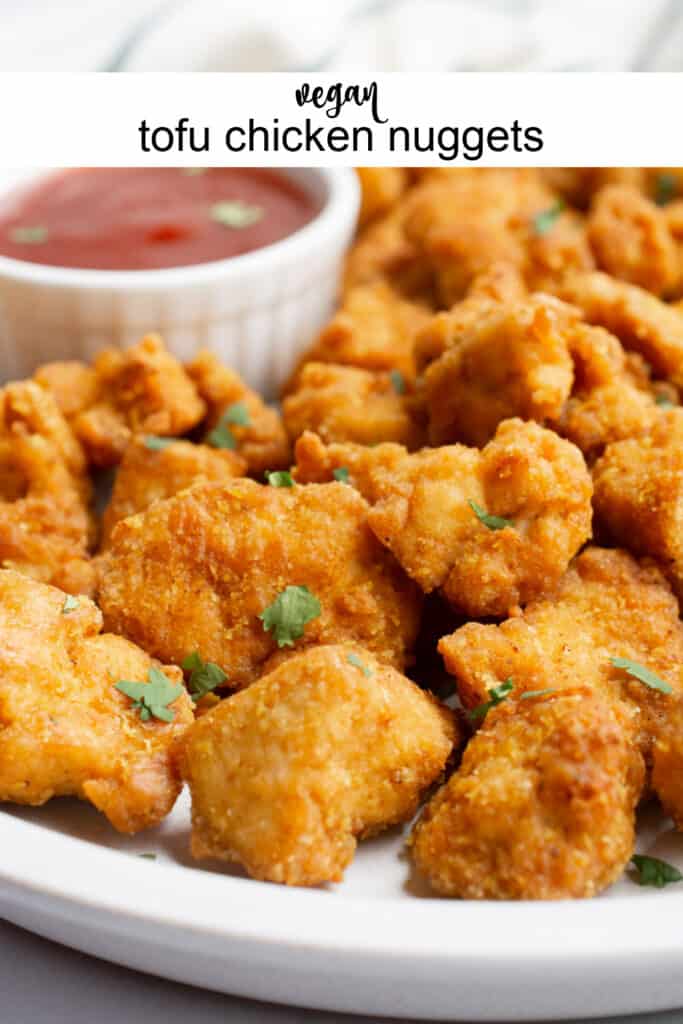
{"points": [[376, 944]]}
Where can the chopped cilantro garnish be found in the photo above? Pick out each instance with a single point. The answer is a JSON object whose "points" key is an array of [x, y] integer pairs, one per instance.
{"points": [[157, 444], [544, 221], [233, 213], [655, 872], [644, 675], [666, 188], [289, 613], [664, 401], [528, 694], [153, 697], [222, 436], [341, 474], [280, 478], [497, 694], [148, 856], [35, 235], [205, 676], [398, 382], [492, 522], [353, 659], [70, 604]]}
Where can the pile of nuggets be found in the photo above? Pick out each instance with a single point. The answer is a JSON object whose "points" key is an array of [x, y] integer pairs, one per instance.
{"points": [[477, 467]]}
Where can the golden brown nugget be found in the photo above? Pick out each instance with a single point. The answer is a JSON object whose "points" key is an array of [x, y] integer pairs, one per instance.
{"points": [[381, 188], [631, 240], [66, 729], [143, 389], [330, 747], [345, 403], [152, 470], [542, 806], [606, 606], [510, 360], [535, 359], [194, 573], [641, 321], [431, 510], [46, 525], [639, 494], [374, 329], [72, 384], [667, 763], [578, 185], [462, 224], [255, 427]]}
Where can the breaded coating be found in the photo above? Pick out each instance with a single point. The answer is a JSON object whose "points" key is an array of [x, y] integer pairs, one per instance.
{"points": [[641, 321], [195, 572], [534, 358], [422, 510], [65, 728], [461, 224], [639, 494], [578, 185], [543, 805], [667, 763], [631, 239], [510, 360], [500, 283], [345, 403], [72, 384], [606, 606], [373, 329], [612, 395], [45, 522], [143, 389], [262, 441], [381, 188], [149, 474], [326, 749]]}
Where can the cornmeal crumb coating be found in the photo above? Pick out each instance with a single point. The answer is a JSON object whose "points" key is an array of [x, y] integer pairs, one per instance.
{"points": [[262, 440], [422, 510], [142, 389], [542, 806], [194, 573], [607, 605], [152, 474], [639, 494], [328, 748], [533, 358], [46, 525], [66, 729], [345, 403]]}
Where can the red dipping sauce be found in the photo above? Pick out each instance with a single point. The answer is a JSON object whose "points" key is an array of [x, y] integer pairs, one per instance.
{"points": [[147, 218]]}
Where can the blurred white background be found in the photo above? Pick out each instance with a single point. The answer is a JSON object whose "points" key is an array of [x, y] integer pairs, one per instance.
{"points": [[420, 35]]}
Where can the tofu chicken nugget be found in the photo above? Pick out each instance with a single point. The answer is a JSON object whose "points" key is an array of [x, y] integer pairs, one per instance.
{"points": [[65, 730], [241, 414], [143, 389], [607, 606], [639, 494], [326, 749], [196, 572], [542, 806], [345, 403], [491, 528], [151, 471]]}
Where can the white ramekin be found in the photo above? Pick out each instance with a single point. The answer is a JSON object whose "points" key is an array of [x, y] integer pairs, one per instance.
{"points": [[257, 312]]}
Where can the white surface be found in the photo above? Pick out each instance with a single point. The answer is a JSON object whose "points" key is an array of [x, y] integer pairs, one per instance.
{"points": [[374, 944], [257, 312], [410, 35]]}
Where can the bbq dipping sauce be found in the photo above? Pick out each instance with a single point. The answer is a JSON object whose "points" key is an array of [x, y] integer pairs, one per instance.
{"points": [[145, 218]]}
